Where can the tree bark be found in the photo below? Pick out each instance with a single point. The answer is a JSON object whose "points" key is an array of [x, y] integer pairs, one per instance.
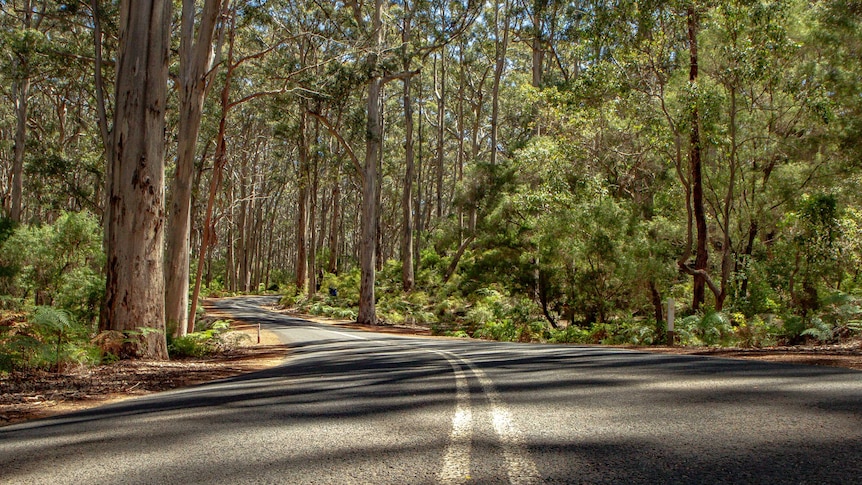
{"points": [[302, 207], [658, 310], [441, 132], [374, 130], [134, 291], [407, 274], [21, 93], [195, 58], [312, 229], [334, 228], [417, 205], [99, 82], [701, 253], [537, 44]]}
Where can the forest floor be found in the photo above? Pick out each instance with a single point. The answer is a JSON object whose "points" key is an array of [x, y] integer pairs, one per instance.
{"points": [[38, 394], [32, 394]]}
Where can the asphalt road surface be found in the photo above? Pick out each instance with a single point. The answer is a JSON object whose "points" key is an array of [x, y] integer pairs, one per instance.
{"points": [[366, 408]]}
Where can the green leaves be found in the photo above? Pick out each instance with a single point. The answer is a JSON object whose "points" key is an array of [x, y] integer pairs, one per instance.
{"points": [[57, 263], [47, 337]]}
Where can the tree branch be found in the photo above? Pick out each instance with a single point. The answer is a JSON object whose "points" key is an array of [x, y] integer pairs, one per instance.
{"points": [[334, 132], [401, 75], [685, 268]]}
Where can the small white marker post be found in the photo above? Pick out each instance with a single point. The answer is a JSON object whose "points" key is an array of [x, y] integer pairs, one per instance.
{"points": [[670, 315], [258, 332]]}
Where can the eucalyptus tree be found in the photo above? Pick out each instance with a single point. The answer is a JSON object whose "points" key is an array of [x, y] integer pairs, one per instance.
{"points": [[374, 138], [439, 24], [240, 64], [24, 39], [134, 297], [196, 62], [699, 270]]}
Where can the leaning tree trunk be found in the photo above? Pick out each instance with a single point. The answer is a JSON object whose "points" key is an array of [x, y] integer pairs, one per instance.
{"points": [[134, 297], [219, 162]]}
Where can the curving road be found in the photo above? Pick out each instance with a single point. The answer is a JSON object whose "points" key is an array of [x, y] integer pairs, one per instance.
{"points": [[366, 408]]}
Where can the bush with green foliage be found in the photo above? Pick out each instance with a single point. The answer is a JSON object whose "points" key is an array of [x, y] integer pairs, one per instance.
{"points": [[571, 334], [755, 331], [289, 294], [48, 338], [709, 328], [57, 265], [217, 338]]}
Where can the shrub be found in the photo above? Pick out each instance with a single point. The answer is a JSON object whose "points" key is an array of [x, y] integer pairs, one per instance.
{"points": [[755, 332], [820, 330], [57, 264], [213, 340], [290, 292], [638, 332], [709, 328], [47, 338], [500, 331], [569, 335]]}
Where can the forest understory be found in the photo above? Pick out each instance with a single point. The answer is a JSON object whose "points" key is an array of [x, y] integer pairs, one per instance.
{"points": [[35, 393]]}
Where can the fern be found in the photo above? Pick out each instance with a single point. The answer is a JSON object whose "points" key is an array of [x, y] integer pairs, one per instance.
{"points": [[53, 321], [821, 330]]}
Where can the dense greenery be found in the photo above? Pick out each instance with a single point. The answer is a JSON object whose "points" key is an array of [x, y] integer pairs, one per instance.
{"points": [[562, 168]]}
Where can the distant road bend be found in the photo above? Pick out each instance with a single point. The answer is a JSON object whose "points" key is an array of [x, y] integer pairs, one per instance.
{"points": [[350, 407]]}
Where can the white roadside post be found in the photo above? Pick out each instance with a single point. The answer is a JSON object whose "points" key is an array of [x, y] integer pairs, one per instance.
{"points": [[670, 315]]}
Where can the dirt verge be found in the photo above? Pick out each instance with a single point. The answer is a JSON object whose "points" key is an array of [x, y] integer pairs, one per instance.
{"points": [[38, 394], [847, 355]]}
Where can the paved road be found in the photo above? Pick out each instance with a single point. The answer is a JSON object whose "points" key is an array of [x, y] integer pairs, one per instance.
{"points": [[354, 407]]}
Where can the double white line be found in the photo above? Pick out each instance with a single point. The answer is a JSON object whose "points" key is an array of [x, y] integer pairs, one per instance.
{"points": [[456, 462]]}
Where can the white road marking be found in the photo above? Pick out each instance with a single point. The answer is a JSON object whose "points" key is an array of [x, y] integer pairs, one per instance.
{"points": [[357, 337], [456, 461], [522, 469]]}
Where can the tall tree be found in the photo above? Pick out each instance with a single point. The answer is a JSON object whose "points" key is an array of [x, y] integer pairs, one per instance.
{"points": [[196, 57], [701, 261], [134, 297], [501, 45], [373, 141], [31, 16], [407, 270]]}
